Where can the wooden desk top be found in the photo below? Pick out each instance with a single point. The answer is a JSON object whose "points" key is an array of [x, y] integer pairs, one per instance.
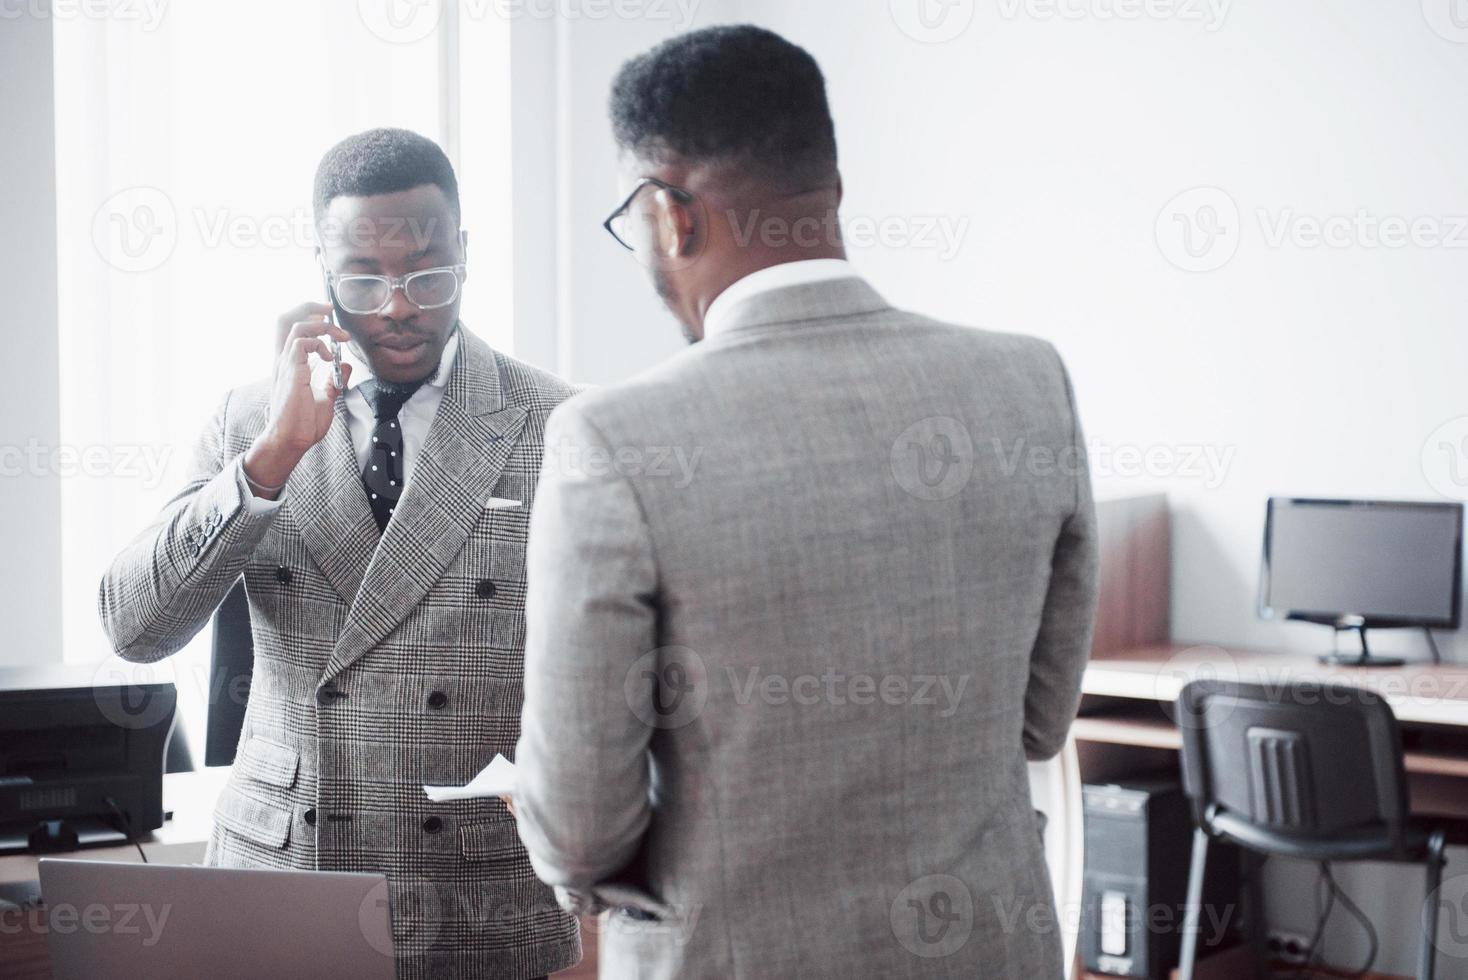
{"points": [[1420, 693]]}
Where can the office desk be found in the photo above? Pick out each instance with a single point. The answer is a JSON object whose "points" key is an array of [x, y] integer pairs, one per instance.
{"points": [[1125, 723], [190, 796]]}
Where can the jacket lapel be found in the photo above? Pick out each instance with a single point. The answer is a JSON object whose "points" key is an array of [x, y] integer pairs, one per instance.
{"points": [[467, 447], [330, 506]]}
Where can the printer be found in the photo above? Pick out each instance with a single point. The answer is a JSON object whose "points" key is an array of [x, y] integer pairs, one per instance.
{"points": [[81, 757]]}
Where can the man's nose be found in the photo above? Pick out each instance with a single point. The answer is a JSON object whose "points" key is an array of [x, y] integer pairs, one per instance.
{"points": [[398, 308]]}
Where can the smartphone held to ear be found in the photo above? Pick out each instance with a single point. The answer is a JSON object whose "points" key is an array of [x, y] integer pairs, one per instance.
{"points": [[332, 342]]}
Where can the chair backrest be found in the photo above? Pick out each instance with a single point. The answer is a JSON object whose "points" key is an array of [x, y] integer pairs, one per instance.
{"points": [[231, 667], [1302, 759]]}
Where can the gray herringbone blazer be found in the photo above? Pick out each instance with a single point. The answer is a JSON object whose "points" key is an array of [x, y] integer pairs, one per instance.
{"points": [[379, 667], [780, 694]]}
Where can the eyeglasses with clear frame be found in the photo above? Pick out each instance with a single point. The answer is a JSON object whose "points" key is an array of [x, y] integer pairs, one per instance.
{"points": [[427, 289], [616, 224]]}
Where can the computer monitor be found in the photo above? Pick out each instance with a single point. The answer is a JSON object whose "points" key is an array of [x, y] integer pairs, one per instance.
{"points": [[1355, 564]]}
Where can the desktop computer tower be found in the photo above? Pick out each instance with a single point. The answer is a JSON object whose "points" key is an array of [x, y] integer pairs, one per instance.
{"points": [[1134, 895]]}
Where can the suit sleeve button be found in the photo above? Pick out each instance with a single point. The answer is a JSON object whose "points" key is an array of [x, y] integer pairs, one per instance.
{"points": [[485, 589], [432, 825], [310, 816], [438, 700]]}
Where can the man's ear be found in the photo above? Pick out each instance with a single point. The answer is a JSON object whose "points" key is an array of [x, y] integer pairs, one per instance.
{"points": [[677, 230]]}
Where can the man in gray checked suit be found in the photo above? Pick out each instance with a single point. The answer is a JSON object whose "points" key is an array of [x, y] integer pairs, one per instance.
{"points": [[779, 701], [380, 532]]}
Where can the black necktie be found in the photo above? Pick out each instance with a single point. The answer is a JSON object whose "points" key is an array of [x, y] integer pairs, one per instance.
{"points": [[383, 475]]}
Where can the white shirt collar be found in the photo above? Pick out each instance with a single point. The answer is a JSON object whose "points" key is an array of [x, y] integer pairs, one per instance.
{"points": [[767, 280], [361, 370]]}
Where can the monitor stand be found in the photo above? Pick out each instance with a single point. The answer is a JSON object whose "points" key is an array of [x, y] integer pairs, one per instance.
{"points": [[1362, 659]]}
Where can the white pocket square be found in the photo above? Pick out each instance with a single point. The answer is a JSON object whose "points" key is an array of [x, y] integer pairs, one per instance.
{"points": [[500, 503]]}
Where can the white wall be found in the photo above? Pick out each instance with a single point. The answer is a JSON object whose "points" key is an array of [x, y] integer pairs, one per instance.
{"points": [[1060, 141], [30, 573], [1051, 140]]}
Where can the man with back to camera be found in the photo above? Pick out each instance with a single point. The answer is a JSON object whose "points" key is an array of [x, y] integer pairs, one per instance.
{"points": [[804, 680], [381, 536]]}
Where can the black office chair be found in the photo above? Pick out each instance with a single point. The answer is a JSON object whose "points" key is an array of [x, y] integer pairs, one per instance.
{"points": [[231, 668], [1303, 770]]}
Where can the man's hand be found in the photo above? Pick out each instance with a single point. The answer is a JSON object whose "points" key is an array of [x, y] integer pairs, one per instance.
{"points": [[509, 802], [299, 415]]}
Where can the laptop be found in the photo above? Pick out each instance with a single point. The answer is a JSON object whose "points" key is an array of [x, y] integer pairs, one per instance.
{"points": [[116, 921]]}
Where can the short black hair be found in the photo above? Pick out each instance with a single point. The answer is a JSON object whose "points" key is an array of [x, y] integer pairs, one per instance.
{"points": [[738, 94], [383, 161]]}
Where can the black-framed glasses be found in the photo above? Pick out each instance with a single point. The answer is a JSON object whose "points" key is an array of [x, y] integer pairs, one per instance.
{"points": [[619, 226], [427, 289]]}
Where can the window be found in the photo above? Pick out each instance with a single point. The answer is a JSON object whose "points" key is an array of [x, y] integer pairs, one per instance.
{"points": [[186, 148]]}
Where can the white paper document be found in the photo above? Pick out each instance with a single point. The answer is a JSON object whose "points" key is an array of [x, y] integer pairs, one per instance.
{"points": [[496, 779]]}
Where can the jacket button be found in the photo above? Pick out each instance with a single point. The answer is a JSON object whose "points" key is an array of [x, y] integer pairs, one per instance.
{"points": [[485, 589], [311, 816], [283, 575], [433, 825], [328, 695], [438, 700]]}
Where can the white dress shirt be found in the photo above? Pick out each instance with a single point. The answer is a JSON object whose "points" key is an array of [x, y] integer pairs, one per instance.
{"points": [[768, 280], [415, 418]]}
